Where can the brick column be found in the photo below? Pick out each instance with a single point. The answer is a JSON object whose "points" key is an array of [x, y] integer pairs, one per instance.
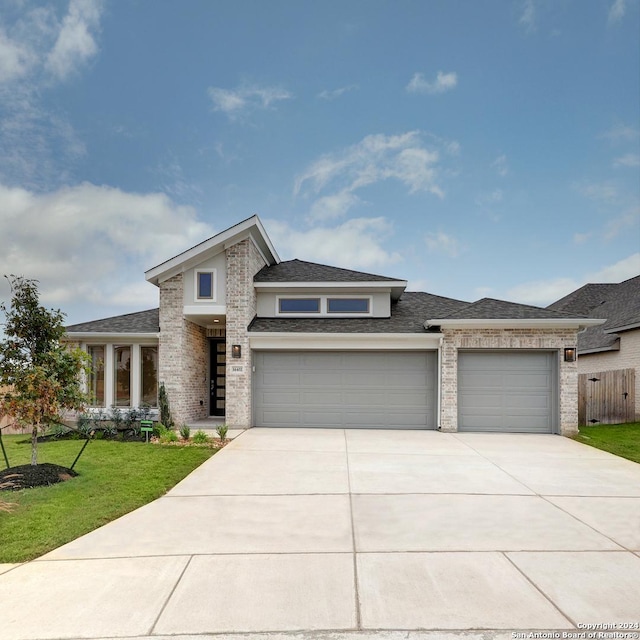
{"points": [[243, 262]]}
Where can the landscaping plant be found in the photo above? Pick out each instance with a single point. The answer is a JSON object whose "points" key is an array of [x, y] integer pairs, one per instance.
{"points": [[40, 375], [200, 437], [185, 431], [165, 410], [222, 431]]}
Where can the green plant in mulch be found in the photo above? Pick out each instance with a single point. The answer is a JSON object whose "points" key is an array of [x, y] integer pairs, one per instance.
{"points": [[169, 436], [185, 431], [200, 437], [222, 431]]}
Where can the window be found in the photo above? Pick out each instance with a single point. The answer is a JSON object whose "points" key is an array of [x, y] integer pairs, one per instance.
{"points": [[205, 285], [122, 376], [96, 377], [149, 373], [299, 305], [347, 305]]}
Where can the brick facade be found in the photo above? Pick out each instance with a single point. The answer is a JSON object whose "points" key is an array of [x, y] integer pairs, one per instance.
{"points": [[543, 339], [243, 262], [628, 357], [183, 354]]}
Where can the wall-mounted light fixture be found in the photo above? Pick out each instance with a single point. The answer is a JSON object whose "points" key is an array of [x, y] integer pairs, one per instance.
{"points": [[570, 354], [236, 351]]}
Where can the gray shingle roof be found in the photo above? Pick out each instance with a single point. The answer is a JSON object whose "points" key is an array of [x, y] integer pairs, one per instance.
{"points": [[301, 271], [139, 322], [407, 316], [618, 303], [492, 309]]}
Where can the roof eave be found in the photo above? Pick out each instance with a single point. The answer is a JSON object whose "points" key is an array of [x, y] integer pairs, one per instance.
{"points": [[613, 347], [626, 327], [221, 241], [514, 323]]}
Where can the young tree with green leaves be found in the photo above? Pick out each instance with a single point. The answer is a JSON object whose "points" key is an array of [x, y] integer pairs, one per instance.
{"points": [[41, 376]]}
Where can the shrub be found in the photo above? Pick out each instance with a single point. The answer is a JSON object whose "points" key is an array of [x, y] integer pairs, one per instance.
{"points": [[200, 437], [169, 436], [165, 409], [159, 429], [222, 431], [185, 431]]}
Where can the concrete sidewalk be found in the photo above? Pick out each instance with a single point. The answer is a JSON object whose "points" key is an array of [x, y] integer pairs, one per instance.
{"points": [[338, 534]]}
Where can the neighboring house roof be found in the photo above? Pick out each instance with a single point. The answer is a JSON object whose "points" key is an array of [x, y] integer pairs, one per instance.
{"points": [[407, 316], [249, 228], [618, 303], [301, 271], [490, 308], [139, 322]]}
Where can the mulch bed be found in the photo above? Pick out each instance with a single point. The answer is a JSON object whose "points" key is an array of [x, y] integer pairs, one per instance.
{"points": [[40, 475]]}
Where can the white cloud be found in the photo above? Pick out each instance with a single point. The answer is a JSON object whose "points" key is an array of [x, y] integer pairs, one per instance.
{"points": [[235, 102], [443, 82], [75, 43], [91, 244], [490, 198], [544, 292], [333, 206], [355, 244], [581, 238], [617, 11], [621, 132], [500, 165], [603, 192], [336, 93], [15, 58], [627, 160], [335, 178], [441, 242], [622, 223], [528, 17], [41, 47]]}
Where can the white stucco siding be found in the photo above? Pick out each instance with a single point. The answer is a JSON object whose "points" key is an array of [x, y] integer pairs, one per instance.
{"points": [[218, 264]]}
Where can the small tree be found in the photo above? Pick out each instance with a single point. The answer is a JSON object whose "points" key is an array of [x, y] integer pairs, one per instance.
{"points": [[165, 409], [42, 377]]}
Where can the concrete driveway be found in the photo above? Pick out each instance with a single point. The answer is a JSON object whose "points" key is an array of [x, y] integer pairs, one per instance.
{"points": [[361, 533]]}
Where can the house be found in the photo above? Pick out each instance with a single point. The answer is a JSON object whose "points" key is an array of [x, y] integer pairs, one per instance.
{"points": [[614, 345], [258, 341]]}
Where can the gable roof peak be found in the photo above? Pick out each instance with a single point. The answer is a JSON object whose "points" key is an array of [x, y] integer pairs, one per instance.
{"points": [[250, 227]]}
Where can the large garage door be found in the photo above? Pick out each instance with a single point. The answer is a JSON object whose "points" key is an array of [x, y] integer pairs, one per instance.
{"points": [[345, 389], [506, 391]]}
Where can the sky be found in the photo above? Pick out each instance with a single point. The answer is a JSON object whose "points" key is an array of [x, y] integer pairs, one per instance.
{"points": [[472, 147]]}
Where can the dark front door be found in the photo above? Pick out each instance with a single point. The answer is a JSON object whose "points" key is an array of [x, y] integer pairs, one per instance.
{"points": [[217, 368]]}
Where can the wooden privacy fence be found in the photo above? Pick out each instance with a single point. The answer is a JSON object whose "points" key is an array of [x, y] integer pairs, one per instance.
{"points": [[607, 397]]}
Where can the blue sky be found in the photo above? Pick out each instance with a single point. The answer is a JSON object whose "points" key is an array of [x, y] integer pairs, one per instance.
{"points": [[472, 147]]}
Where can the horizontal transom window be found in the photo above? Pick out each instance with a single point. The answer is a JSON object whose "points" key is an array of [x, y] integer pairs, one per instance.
{"points": [[299, 305], [347, 305], [324, 305]]}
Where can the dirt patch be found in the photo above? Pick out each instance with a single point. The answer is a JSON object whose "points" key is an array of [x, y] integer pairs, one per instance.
{"points": [[40, 475]]}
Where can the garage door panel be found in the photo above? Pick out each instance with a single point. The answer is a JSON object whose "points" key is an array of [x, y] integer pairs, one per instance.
{"points": [[345, 389], [506, 391]]}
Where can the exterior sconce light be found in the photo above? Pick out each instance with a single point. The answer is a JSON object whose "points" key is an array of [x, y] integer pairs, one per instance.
{"points": [[570, 354], [236, 351]]}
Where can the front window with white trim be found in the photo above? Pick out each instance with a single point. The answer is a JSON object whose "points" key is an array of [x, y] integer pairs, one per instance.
{"points": [[347, 305], [324, 305]]}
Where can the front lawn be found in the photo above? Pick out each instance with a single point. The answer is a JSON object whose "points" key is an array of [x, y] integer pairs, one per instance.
{"points": [[621, 439], [114, 478]]}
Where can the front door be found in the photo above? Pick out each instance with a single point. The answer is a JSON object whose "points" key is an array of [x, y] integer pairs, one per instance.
{"points": [[217, 369]]}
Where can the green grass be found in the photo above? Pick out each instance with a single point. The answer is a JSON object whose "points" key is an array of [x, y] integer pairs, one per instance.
{"points": [[114, 478], [621, 439]]}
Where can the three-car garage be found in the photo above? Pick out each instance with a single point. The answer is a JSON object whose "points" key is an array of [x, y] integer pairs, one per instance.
{"points": [[497, 390]]}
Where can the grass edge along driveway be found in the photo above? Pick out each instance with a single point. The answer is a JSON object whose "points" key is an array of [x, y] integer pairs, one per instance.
{"points": [[114, 478], [620, 439]]}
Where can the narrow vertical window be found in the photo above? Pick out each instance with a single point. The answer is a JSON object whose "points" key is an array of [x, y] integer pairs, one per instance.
{"points": [[122, 376], [205, 285], [149, 385], [96, 377]]}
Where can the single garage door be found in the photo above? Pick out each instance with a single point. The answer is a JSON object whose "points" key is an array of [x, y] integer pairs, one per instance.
{"points": [[511, 391], [345, 389]]}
